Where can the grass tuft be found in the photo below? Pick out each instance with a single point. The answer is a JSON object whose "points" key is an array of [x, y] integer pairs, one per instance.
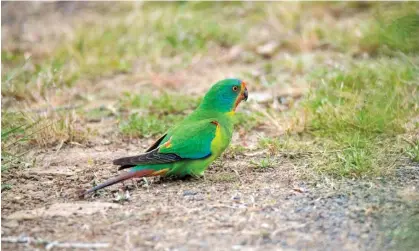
{"points": [[263, 163], [412, 150], [395, 27], [21, 132], [5, 187], [361, 111]]}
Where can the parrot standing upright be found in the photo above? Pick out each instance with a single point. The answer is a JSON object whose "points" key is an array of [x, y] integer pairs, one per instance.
{"points": [[189, 147]]}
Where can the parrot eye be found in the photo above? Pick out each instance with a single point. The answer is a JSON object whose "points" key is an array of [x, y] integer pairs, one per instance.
{"points": [[235, 88]]}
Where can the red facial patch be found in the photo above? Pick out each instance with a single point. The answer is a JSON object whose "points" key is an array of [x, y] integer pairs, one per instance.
{"points": [[241, 95]]}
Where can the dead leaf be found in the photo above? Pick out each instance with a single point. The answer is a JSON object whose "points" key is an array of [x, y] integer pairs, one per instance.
{"points": [[299, 189]]}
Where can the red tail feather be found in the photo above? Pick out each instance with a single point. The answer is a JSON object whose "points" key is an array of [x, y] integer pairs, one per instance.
{"points": [[122, 177]]}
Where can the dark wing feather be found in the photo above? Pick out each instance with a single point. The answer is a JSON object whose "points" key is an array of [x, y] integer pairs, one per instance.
{"points": [[152, 157], [156, 144]]}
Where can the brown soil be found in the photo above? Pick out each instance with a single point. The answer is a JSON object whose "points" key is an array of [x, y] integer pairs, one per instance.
{"points": [[250, 209], [235, 207]]}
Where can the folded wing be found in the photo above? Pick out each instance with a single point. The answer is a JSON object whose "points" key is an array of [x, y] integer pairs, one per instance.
{"points": [[186, 142]]}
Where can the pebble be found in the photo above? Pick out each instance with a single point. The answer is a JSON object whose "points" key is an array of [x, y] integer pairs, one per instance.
{"points": [[189, 193]]}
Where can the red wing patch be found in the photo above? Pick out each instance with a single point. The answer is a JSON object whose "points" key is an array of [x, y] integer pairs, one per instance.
{"points": [[215, 122], [168, 144]]}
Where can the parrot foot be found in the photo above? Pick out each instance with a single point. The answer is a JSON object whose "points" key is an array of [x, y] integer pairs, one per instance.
{"points": [[135, 184], [199, 176]]}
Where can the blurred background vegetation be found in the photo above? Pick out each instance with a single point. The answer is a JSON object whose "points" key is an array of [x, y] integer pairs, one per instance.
{"points": [[347, 75]]}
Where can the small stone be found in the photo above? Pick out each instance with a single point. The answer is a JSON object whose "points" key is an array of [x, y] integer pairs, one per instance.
{"points": [[299, 189], [236, 197], [236, 247], [189, 193], [268, 49], [198, 197], [234, 53]]}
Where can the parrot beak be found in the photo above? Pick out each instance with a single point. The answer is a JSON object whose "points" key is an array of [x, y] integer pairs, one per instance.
{"points": [[245, 94]]}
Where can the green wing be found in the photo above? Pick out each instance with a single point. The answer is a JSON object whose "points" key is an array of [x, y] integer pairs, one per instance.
{"points": [[191, 141]]}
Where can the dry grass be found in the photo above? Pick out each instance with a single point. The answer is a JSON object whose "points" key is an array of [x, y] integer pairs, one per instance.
{"points": [[21, 131]]}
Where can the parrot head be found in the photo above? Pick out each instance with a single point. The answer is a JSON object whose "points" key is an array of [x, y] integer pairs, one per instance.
{"points": [[225, 95]]}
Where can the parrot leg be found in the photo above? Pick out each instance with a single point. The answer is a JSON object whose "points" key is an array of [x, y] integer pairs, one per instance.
{"points": [[135, 184]]}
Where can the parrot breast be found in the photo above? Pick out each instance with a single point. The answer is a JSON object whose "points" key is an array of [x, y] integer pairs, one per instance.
{"points": [[221, 141]]}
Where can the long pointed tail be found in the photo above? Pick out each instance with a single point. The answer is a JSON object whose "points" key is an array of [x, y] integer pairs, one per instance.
{"points": [[122, 177]]}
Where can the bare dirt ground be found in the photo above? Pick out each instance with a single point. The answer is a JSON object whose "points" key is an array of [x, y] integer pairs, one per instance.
{"points": [[236, 207], [263, 210]]}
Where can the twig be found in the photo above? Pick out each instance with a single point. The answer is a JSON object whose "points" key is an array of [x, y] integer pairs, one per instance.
{"points": [[410, 142], [76, 245], [238, 175], [51, 244]]}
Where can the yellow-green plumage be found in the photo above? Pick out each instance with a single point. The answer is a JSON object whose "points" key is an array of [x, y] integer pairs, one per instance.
{"points": [[191, 146]]}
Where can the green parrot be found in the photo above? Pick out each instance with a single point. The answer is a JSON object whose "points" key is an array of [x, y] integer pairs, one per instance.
{"points": [[189, 147]]}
